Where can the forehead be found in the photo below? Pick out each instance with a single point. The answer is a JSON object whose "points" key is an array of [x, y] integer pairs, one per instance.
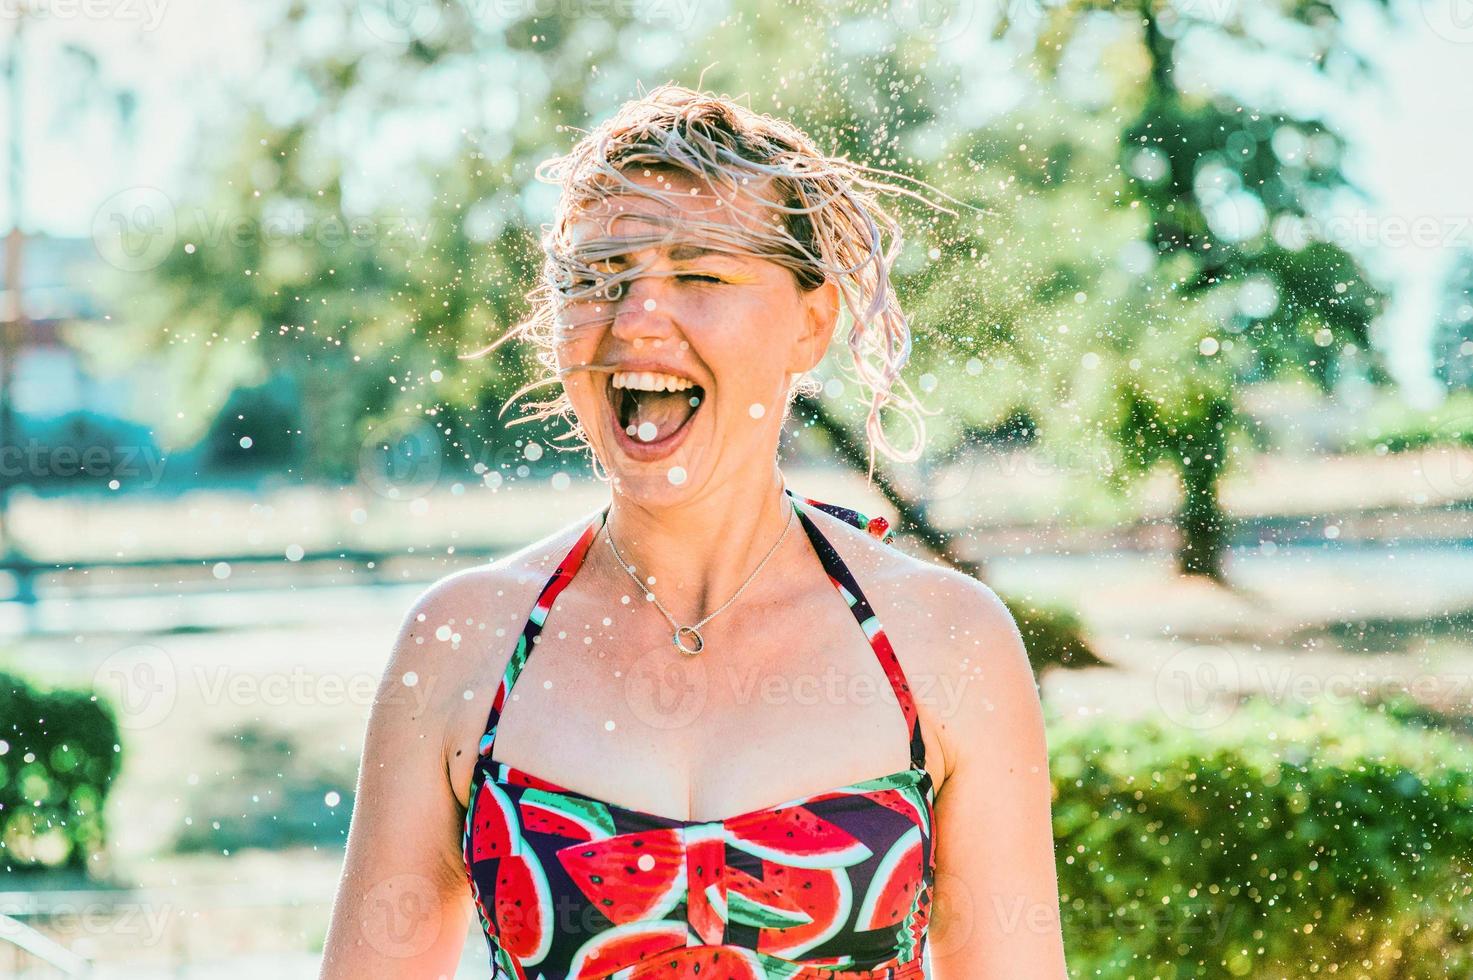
{"points": [[675, 220]]}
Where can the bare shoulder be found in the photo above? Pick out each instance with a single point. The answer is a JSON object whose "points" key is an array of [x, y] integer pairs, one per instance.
{"points": [[971, 669], [957, 642], [456, 637]]}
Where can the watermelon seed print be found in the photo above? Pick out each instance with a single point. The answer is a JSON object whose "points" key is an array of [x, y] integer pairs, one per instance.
{"points": [[567, 885]]}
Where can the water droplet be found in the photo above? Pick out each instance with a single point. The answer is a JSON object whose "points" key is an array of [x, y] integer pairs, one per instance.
{"points": [[246, 442], [294, 552], [533, 451], [677, 475], [646, 862], [221, 569], [649, 305], [410, 678], [333, 799], [608, 727], [757, 410], [647, 431]]}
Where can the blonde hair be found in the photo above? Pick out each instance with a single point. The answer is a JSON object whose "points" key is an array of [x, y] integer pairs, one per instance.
{"points": [[831, 227]]}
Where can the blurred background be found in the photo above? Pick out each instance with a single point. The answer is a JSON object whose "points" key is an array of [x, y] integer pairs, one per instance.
{"points": [[1203, 364]]}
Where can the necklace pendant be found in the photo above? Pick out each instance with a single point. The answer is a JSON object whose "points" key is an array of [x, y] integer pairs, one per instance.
{"points": [[681, 633]]}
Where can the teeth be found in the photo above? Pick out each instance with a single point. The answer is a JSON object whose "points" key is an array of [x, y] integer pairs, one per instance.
{"points": [[651, 381]]}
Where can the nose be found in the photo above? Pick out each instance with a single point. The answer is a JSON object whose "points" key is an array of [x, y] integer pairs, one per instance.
{"points": [[640, 313]]}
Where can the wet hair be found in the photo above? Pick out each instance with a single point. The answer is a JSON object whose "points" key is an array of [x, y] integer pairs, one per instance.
{"points": [[827, 224]]}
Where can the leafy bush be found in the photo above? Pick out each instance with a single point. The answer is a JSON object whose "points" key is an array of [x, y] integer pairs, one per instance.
{"points": [[1285, 843], [59, 752], [1053, 635], [1390, 422]]}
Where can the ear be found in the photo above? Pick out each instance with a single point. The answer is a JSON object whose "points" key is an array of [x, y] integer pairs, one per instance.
{"points": [[819, 316]]}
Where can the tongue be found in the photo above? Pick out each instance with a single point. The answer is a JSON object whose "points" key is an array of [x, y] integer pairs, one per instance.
{"points": [[658, 413]]}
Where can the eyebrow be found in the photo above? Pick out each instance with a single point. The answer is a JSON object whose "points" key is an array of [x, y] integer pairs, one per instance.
{"points": [[679, 253]]}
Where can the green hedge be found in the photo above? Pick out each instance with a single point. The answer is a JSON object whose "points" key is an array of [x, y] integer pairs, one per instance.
{"points": [[1331, 840], [59, 752]]}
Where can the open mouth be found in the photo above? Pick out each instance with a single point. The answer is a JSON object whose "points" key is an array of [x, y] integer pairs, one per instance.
{"points": [[651, 410]]}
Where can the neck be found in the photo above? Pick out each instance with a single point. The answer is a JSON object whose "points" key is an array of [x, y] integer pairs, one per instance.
{"points": [[700, 551]]}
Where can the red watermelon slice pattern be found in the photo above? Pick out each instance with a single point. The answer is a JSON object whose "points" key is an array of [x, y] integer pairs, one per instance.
{"points": [[494, 832], [824, 895], [576, 817], [629, 877], [897, 880], [523, 906], [705, 874], [754, 902], [897, 792], [521, 903], [713, 962], [512, 776], [624, 946], [797, 837]]}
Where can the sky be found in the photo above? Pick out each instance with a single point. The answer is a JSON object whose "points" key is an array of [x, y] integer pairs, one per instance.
{"points": [[1411, 142]]}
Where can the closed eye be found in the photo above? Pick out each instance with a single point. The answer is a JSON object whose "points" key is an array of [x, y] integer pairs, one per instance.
{"points": [[700, 278]]}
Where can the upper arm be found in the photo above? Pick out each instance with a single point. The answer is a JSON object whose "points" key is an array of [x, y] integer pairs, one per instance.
{"points": [[402, 907], [996, 909]]}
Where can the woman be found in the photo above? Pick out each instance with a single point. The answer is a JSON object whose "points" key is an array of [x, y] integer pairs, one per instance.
{"points": [[738, 734]]}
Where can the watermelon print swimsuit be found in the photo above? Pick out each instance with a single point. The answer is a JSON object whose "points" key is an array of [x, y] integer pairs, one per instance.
{"points": [[836, 884]]}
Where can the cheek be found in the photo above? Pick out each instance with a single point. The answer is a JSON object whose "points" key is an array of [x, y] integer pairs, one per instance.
{"points": [[584, 388]]}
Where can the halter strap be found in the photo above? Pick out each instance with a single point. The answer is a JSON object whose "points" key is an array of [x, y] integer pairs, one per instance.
{"points": [[838, 574]]}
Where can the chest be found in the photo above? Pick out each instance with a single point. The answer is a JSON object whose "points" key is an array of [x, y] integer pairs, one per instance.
{"points": [[788, 697]]}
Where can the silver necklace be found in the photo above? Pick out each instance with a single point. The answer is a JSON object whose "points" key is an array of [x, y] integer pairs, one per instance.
{"points": [[694, 630]]}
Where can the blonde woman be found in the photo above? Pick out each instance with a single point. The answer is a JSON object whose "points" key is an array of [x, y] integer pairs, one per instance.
{"points": [[716, 729]]}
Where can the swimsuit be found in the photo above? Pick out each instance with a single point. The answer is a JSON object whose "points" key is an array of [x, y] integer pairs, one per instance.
{"points": [[836, 884]]}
